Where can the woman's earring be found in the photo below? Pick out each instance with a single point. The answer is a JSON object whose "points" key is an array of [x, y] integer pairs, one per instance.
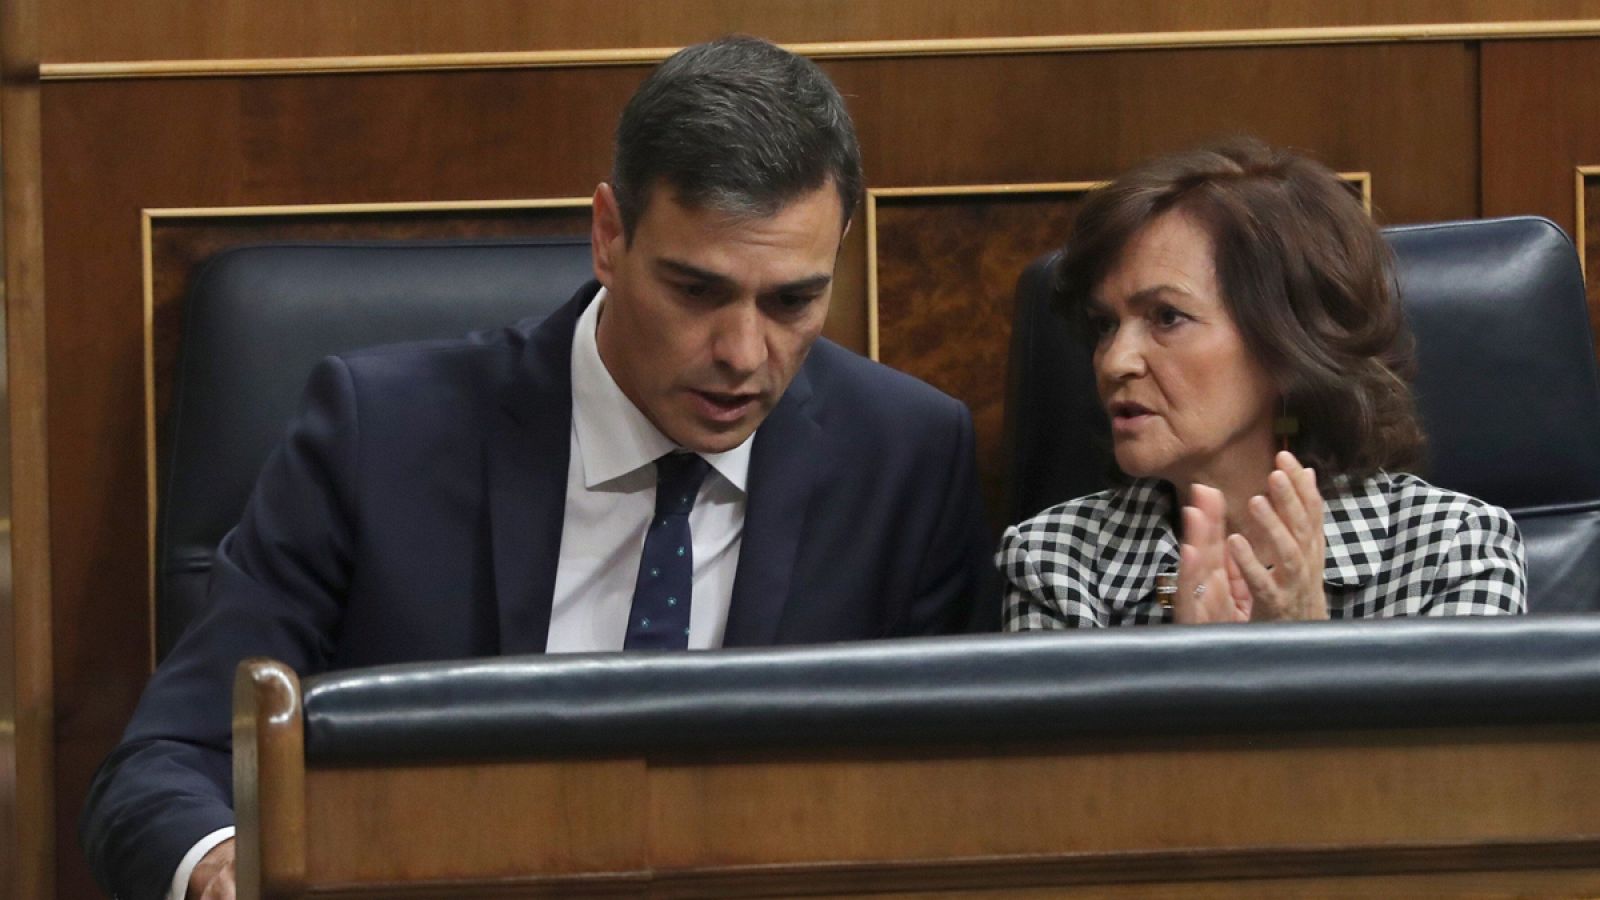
{"points": [[1285, 426]]}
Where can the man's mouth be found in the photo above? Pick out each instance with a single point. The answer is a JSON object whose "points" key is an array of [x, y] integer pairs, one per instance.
{"points": [[723, 406]]}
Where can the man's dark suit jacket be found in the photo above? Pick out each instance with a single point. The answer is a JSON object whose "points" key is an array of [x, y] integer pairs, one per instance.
{"points": [[414, 512]]}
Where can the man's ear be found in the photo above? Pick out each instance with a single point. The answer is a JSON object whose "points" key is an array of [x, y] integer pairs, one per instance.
{"points": [[606, 239]]}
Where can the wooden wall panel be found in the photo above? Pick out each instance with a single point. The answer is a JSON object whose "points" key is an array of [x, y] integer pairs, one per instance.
{"points": [[1539, 126], [102, 30], [27, 796]]}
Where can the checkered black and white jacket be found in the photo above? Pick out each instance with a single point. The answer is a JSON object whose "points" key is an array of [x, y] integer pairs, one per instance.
{"points": [[1396, 546]]}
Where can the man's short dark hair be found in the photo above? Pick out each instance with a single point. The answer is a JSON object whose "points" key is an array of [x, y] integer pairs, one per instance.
{"points": [[737, 125]]}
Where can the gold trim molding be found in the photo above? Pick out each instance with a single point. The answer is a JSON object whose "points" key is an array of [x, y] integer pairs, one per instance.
{"points": [[1072, 43], [1580, 175], [150, 217], [1362, 180]]}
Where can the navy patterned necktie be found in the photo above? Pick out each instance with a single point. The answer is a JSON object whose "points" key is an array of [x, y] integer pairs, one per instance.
{"points": [[660, 616]]}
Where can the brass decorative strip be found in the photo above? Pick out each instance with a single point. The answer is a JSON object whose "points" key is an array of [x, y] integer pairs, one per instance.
{"points": [[148, 220], [1581, 175], [346, 209], [1071, 43], [151, 464]]}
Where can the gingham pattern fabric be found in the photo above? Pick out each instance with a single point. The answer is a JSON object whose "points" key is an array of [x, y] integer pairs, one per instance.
{"points": [[1396, 546]]}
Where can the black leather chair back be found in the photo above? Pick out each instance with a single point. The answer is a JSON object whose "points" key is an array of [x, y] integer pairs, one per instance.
{"points": [[1507, 390], [257, 320]]}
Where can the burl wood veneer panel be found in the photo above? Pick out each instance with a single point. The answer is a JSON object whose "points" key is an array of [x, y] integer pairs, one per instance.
{"points": [[947, 275]]}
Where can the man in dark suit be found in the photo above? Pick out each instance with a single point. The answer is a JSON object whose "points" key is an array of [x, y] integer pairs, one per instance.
{"points": [[672, 460]]}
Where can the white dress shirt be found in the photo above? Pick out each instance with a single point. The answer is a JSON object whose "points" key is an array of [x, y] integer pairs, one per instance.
{"points": [[611, 495]]}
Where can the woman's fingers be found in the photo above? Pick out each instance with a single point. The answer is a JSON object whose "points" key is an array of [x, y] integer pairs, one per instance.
{"points": [[1287, 551], [1288, 504], [1243, 599], [1264, 593], [1210, 527]]}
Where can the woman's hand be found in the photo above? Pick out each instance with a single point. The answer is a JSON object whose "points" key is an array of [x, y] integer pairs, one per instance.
{"points": [[1206, 592], [1288, 529]]}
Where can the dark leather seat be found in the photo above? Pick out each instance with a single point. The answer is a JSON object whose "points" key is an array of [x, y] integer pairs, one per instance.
{"points": [[1507, 390], [259, 317], [970, 689]]}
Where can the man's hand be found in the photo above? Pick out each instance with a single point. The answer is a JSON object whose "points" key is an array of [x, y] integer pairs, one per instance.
{"points": [[212, 878]]}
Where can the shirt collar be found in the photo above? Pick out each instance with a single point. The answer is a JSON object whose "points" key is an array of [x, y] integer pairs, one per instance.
{"points": [[1138, 535], [614, 437]]}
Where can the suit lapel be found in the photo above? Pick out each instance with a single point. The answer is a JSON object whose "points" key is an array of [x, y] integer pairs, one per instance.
{"points": [[785, 463], [529, 447]]}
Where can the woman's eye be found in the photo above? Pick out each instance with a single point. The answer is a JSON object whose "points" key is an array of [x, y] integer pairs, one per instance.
{"points": [[1167, 317], [1100, 326]]}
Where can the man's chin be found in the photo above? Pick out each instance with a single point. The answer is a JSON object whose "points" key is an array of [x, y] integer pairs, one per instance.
{"points": [[719, 438]]}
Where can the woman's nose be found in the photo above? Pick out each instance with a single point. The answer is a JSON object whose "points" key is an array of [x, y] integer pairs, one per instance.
{"points": [[1121, 354]]}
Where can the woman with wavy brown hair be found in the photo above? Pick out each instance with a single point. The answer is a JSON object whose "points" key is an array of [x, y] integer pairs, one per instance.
{"points": [[1250, 352]]}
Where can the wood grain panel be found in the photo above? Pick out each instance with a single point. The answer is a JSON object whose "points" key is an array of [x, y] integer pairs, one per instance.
{"points": [[560, 818], [1082, 117], [1539, 99], [28, 834], [1270, 791], [1476, 885], [1539, 126], [97, 30], [947, 276]]}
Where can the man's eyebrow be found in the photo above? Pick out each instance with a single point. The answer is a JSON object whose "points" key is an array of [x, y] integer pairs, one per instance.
{"points": [[695, 272], [804, 285], [800, 285]]}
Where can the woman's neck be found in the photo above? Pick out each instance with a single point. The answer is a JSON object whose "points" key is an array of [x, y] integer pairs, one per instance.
{"points": [[1246, 478]]}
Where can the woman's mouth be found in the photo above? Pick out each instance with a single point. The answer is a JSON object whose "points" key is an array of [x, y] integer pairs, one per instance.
{"points": [[1128, 417]]}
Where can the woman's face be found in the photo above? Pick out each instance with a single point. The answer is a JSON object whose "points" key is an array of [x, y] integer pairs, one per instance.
{"points": [[1188, 403]]}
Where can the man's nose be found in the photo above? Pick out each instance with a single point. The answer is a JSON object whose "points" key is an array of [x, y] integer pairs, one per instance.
{"points": [[739, 342]]}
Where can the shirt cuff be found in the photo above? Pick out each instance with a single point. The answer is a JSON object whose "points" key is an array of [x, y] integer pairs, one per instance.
{"points": [[180, 878]]}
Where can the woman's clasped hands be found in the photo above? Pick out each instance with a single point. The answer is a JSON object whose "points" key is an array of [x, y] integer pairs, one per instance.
{"points": [[1270, 568]]}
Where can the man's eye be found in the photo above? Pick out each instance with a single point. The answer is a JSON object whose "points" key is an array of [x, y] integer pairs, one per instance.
{"points": [[694, 290], [793, 303]]}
